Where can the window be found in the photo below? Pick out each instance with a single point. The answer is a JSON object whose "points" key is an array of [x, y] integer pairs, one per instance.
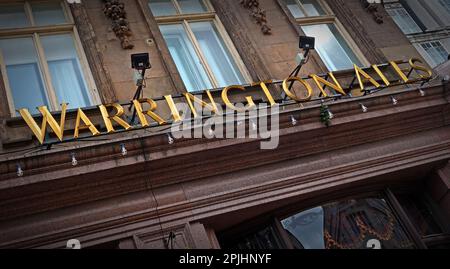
{"points": [[348, 224], [198, 44], [352, 223], [435, 52], [445, 4], [41, 57], [331, 45], [427, 217], [402, 18], [265, 237]]}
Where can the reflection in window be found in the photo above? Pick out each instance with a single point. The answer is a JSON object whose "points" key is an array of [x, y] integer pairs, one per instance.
{"points": [[331, 46], [162, 7], [192, 6], [349, 224], [402, 18], [188, 64], [217, 55], [304, 8], [333, 49], [43, 66], [65, 70], [174, 7], [24, 73], [445, 4], [48, 13], [435, 51], [307, 228], [199, 48], [13, 16]]}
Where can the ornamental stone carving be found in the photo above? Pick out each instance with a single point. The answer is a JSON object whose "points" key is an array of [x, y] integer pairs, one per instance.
{"points": [[258, 14], [372, 7], [115, 11]]}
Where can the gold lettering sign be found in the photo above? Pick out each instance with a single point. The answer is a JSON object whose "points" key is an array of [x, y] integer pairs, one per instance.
{"points": [[291, 95], [141, 113], [108, 119], [227, 102], [360, 74], [46, 118]]}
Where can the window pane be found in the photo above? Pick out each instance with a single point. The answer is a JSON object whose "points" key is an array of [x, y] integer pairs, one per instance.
{"points": [[217, 54], [445, 4], [65, 70], [436, 52], [312, 7], [192, 6], [404, 21], [332, 47], [24, 75], [295, 9], [13, 16], [48, 13], [162, 7], [188, 64], [351, 224]]}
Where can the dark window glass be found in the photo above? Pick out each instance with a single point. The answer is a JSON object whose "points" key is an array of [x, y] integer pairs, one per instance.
{"points": [[263, 238], [419, 210], [351, 224]]}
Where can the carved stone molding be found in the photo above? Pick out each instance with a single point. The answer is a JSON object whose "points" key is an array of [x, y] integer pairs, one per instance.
{"points": [[258, 14], [373, 9], [115, 11]]}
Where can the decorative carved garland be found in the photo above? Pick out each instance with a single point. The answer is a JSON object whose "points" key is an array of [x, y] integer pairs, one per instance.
{"points": [[115, 11], [258, 14], [373, 8]]}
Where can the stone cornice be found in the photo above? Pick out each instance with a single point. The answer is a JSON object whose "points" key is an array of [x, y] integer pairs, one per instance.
{"points": [[52, 183], [332, 178]]}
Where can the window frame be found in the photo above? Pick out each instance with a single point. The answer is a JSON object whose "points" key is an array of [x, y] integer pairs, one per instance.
{"points": [[274, 218], [328, 18], [428, 55], [211, 16], [35, 32], [395, 6]]}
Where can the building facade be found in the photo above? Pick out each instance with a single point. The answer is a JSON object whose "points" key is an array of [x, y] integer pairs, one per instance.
{"points": [[426, 24], [362, 159]]}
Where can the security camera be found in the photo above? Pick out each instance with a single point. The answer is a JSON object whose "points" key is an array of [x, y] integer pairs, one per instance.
{"points": [[307, 42], [140, 61]]}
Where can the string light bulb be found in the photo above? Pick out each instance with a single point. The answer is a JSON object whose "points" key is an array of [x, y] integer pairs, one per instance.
{"points": [[293, 120], [74, 159], [394, 101], [19, 170], [364, 108], [254, 125], [330, 114], [170, 139], [123, 150], [422, 92]]}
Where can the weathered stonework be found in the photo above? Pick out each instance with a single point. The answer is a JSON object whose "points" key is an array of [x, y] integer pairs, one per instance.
{"points": [[115, 11], [372, 8], [258, 14]]}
